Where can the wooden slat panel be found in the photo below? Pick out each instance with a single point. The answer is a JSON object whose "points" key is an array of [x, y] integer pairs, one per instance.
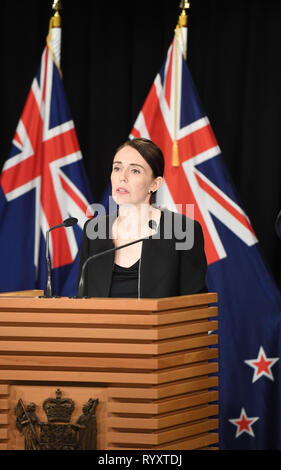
{"points": [[157, 438], [102, 304], [4, 416], [192, 443], [109, 377], [188, 371], [166, 390], [187, 357], [71, 319], [182, 330], [109, 348], [3, 434], [181, 344], [4, 419], [175, 316], [186, 300], [58, 362], [94, 305], [4, 404], [164, 421], [107, 333], [154, 347], [166, 406], [212, 447], [4, 389]]}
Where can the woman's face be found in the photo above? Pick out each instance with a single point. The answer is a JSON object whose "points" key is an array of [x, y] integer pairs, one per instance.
{"points": [[132, 178]]}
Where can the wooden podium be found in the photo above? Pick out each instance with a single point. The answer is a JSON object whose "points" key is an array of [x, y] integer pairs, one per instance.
{"points": [[150, 362]]}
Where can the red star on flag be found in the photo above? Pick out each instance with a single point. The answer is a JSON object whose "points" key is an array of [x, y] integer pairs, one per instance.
{"points": [[244, 424], [262, 365]]}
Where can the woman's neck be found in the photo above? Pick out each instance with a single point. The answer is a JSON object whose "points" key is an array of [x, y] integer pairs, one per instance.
{"points": [[134, 212], [133, 221]]}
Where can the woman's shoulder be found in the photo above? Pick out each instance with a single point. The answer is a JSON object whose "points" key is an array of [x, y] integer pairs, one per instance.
{"points": [[181, 219], [100, 226], [186, 231]]}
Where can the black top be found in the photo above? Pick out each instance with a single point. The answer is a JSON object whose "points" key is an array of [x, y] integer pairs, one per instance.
{"points": [[165, 270], [124, 281]]}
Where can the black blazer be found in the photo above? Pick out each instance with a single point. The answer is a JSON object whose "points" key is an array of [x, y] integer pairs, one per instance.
{"points": [[164, 271]]}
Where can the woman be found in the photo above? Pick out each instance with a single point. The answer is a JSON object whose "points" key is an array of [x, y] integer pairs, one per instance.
{"points": [[162, 265]]}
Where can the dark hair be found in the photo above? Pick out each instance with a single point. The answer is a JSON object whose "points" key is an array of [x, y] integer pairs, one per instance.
{"points": [[151, 153]]}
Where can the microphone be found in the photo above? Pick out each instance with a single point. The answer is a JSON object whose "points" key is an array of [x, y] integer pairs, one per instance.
{"points": [[66, 223], [80, 293]]}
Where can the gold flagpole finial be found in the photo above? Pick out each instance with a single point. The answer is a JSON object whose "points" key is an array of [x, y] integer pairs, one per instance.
{"points": [[184, 5], [57, 5], [56, 19], [54, 39]]}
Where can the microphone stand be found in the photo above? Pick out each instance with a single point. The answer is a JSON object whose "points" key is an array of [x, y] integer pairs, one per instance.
{"points": [[66, 223], [49, 282], [80, 292]]}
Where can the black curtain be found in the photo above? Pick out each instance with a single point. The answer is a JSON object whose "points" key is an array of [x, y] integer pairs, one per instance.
{"points": [[111, 53]]}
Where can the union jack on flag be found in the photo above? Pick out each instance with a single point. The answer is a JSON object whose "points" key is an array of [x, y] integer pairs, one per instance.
{"points": [[42, 183], [249, 301]]}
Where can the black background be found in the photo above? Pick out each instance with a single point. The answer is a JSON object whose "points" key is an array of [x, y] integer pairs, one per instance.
{"points": [[111, 53]]}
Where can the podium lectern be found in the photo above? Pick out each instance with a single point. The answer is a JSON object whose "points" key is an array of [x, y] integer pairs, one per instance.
{"points": [[151, 363]]}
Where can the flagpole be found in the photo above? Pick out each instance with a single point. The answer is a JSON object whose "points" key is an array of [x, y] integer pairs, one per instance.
{"points": [[182, 24], [55, 24], [181, 30]]}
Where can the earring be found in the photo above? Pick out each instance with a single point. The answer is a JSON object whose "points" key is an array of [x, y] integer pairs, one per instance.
{"points": [[150, 192]]}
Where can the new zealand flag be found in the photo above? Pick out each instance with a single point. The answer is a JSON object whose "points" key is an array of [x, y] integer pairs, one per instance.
{"points": [[42, 183], [249, 301]]}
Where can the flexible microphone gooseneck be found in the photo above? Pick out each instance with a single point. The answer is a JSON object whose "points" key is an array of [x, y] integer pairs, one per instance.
{"points": [[66, 223], [80, 292]]}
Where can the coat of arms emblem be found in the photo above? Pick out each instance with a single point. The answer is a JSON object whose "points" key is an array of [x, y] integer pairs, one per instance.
{"points": [[58, 433]]}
